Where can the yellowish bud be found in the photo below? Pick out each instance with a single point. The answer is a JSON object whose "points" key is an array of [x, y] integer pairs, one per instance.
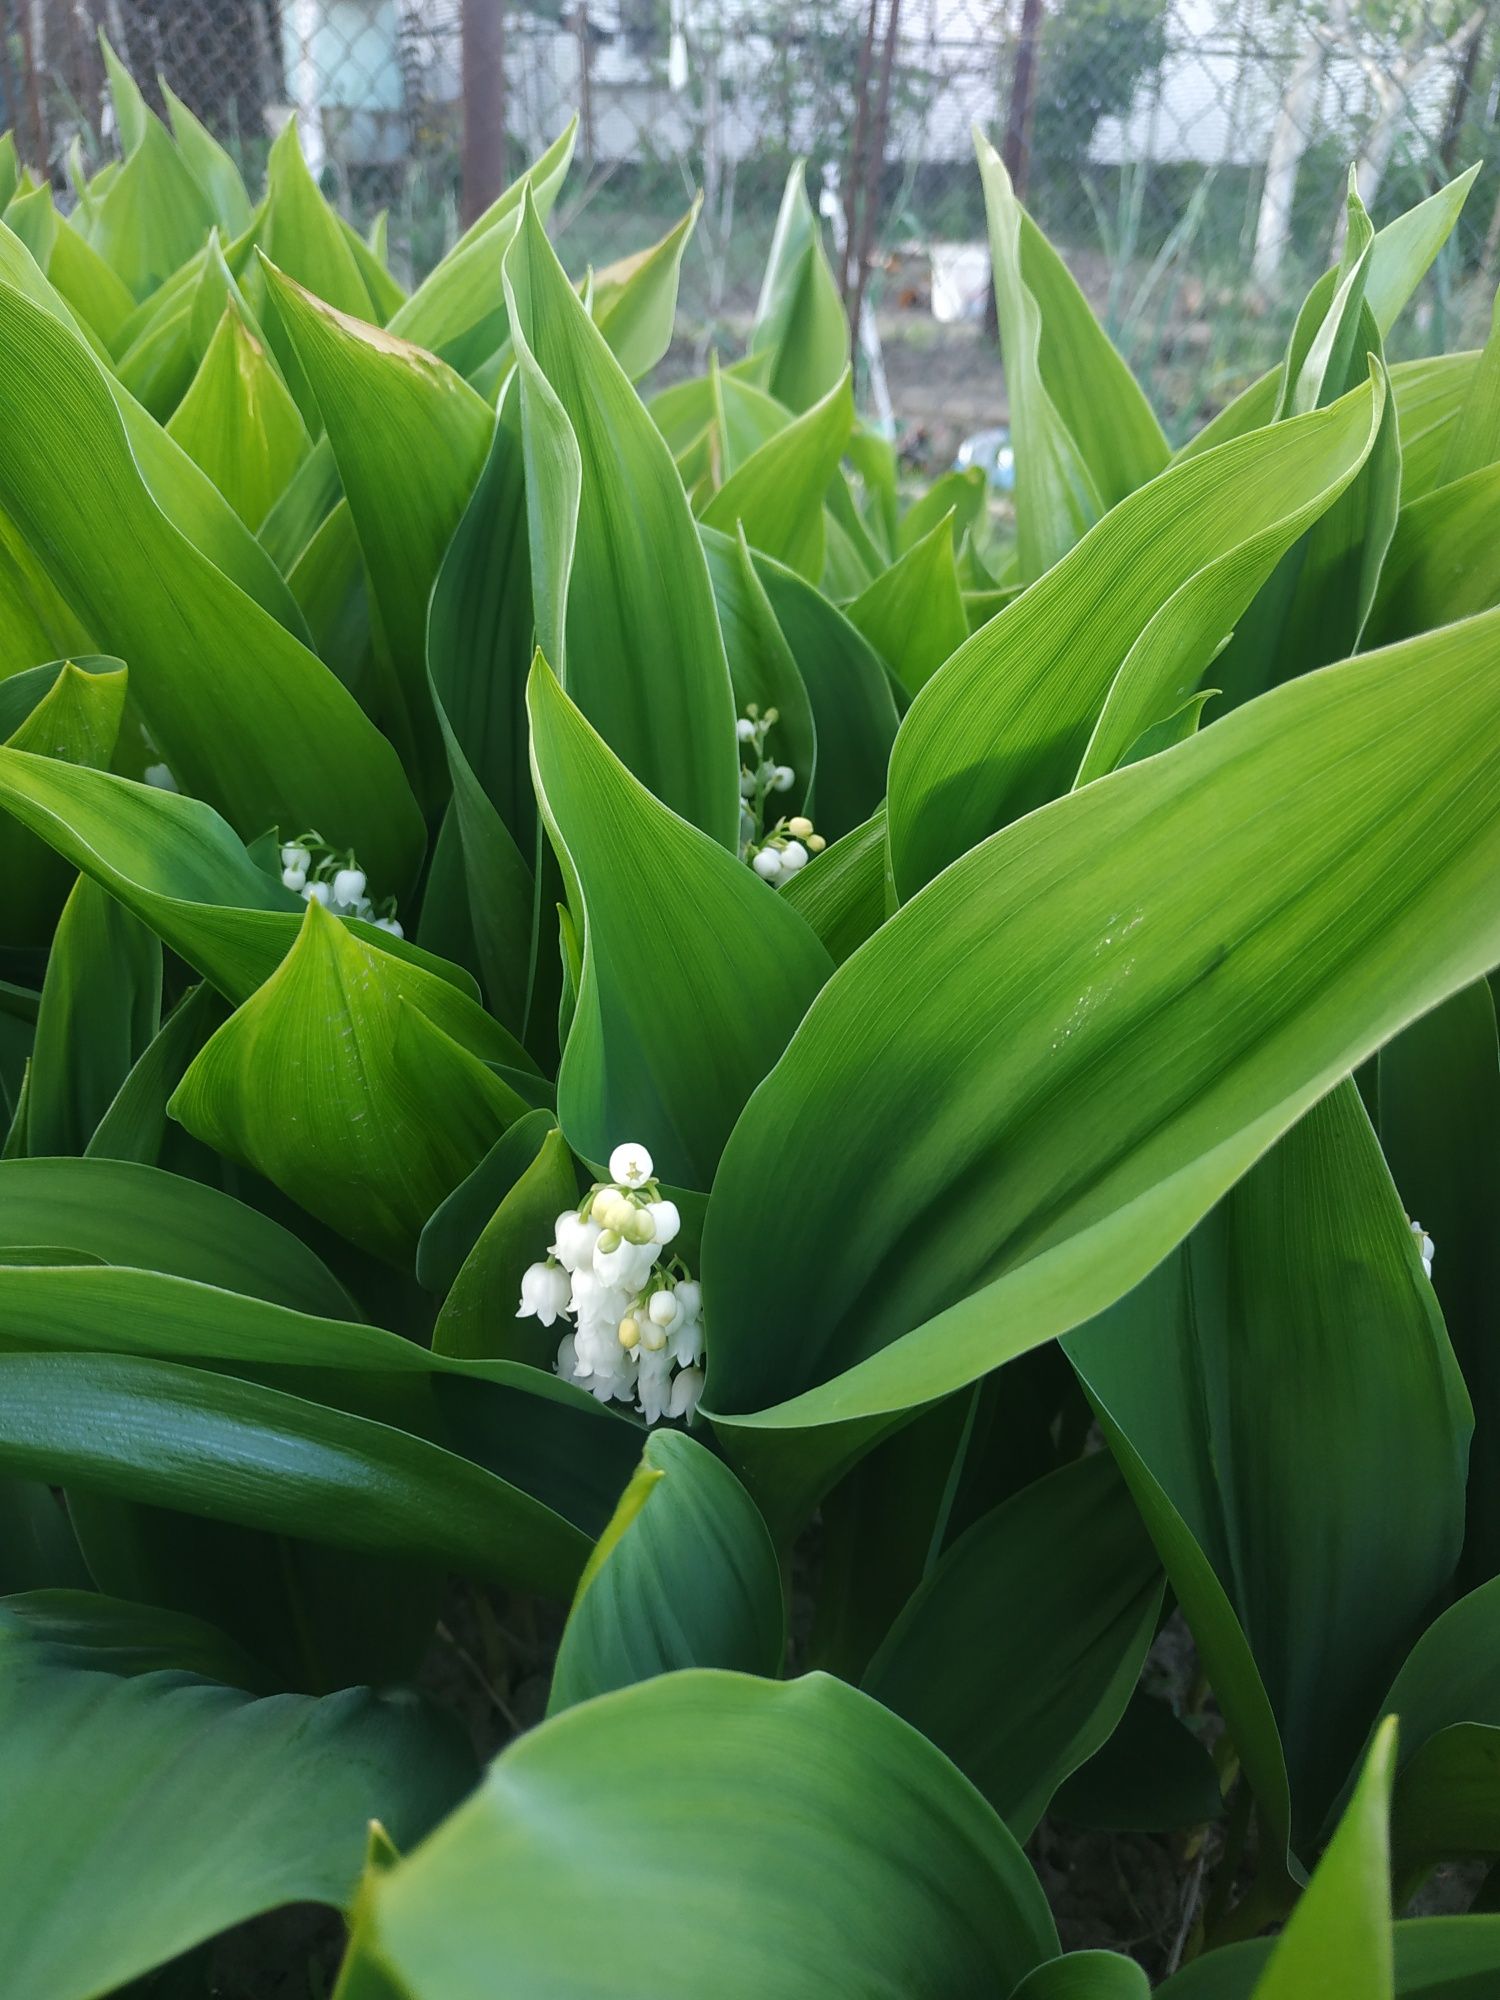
{"points": [[630, 1332], [816, 843]]}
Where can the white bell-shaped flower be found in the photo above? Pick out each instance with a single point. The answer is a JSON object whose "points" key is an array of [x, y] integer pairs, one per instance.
{"points": [[294, 879], [687, 1342], [294, 855], [767, 865], [793, 857], [662, 1309], [653, 1383], [574, 1240], [317, 892], [630, 1165], [1426, 1248], [348, 887], [545, 1293], [690, 1298], [687, 1388], [389, 924], [624, 1267], [783, 777], [666, 1219]]}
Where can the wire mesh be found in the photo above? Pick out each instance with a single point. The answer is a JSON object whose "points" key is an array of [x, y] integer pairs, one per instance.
{"points": [[1187, 156]]}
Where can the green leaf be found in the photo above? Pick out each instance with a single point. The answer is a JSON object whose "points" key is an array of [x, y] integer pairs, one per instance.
{"points": [[1400, 257], [209, 164], [459, 311], [913, 613], [634, 301], [1084, 434], [1338, 1939], [776, 495], [762, 667], [1437, 1958], [1058, 686], [301, 236], [920, 1889], [1270, 900], [199, 1805], [238, 421], [685, 1575], [624, 606], [122, 1213], [1020, 1702], [1085, 1975], [1447, 1802], [1439, 1123], [1441, 564], [153, 215], [329, 1082], [1287, 1385], [232, 1450], [71, 484], [478, 1316], [86, 283], [676, 932], [842, 895], [409, 438], [849, 691], [130, 108], [799, 317], [68, 712], [1152, 1776], [1474, 440], [100, 1006], [457, 1223]]}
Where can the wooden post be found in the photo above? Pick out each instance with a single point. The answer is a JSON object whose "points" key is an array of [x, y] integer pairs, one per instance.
{"points": [[483, 83], [1015, 148]]}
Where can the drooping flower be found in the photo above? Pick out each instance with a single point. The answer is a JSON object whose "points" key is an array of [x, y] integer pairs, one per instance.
{"points": [[687, 1389], [1426, 1248], [545, 1293], [630, 1166]]}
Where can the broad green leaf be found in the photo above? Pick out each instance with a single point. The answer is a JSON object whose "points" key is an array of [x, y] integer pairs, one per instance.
{"points": [[1436, 1958], [34, 219], [136, 1126], [153, 215], [959, 496], [1085, 1975], [849, 690], [456, 1224], [70, 483], [409, 438], [1275, 898], [331, 1084], [1057, 501], [209, 164], [1152, 1776], [762, 667], [1400, 257], [238, 421], [176, 864], [1019, 1698], [299, 233], [1475, 436], [799, 317], [100, 1006], [913, 614], [634, 301], [675, 932], [1442, 563], [1447, 1803], [624, 607], [119, 1212], [1430, 394], [776, 495], [331, 587], [1439, 1123], [125, 96], [685, 1575], [67, 712], [1287, 1383], [459, 312], [83, 279], [480, 640], [772, 1788], [197, 1804], [842, 894], [184, 493], [1338, 1939], [478, 1316], [1057, 687], [233, 1450]]}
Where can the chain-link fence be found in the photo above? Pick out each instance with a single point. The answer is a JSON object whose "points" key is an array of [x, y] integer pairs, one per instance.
{"points": [[1187, 156]]}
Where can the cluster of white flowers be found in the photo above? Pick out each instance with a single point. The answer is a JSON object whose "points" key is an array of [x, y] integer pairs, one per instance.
{"points": [[1426, 1248], [775, 851], [637, 1317], [311, 868]]}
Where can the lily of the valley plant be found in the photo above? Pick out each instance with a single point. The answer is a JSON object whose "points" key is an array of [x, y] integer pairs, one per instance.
{"points": [[732, 1197]]}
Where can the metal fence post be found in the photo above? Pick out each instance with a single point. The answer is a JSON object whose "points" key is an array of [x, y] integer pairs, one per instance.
{"points": [[483, 84]]}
